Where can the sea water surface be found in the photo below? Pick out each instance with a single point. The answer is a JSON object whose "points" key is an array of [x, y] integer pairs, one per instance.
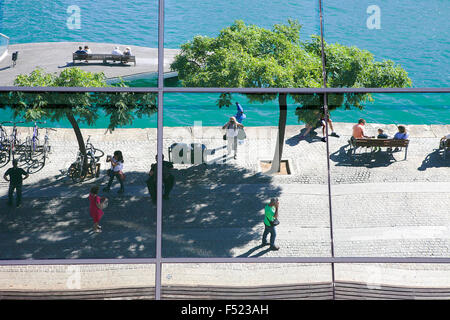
{"points": [[412, 33]]}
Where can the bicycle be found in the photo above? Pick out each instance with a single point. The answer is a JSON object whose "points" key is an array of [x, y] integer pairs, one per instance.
{"points": [[32, 143], [14, 141], [77, 172], [46, 149], [4, 146]]}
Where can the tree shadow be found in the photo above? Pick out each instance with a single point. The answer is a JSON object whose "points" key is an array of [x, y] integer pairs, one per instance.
{"points": [[362, 158], [212, 210], [217, 208], [434, 160]]}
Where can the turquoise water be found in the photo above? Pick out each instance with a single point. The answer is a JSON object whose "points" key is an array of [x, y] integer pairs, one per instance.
{"points": [[413, 33]]}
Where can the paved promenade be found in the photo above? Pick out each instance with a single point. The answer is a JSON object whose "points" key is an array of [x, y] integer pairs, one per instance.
{"points": [[53, 57], [382, 205]]}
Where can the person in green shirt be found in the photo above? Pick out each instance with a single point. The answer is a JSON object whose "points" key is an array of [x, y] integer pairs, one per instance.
{"points": [[271, 213]]}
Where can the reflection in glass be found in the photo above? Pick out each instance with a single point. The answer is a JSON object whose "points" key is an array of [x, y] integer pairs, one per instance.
{"points": [[66, 144], [223, 181], [119, 281], [390, 177], [392, 281], [246, 281]]}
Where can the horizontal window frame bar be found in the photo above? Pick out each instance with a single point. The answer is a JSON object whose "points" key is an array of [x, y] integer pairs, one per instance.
{"points": [[223, 90], [304, 260]]}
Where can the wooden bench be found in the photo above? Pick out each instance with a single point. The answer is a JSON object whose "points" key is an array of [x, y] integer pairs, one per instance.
{"points": [[103, 57], [379, 143]]}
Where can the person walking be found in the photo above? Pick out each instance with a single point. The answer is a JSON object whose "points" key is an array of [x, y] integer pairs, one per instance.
{"points": [[115, 171], [96, 205], [15, 177], [323, 123], [271, 213], [232, 127]]}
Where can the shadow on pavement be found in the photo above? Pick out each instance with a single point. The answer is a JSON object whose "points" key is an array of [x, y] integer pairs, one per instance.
{"points": [[310, 138], [211, 211], [434, 160], [362, 158]]}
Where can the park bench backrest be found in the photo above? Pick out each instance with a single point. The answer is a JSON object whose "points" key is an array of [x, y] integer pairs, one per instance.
{"points": [[101, 56], [381, 142]]}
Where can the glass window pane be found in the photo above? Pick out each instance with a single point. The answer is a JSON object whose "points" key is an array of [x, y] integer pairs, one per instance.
{"points": [[106, 281], [411, 34], [246, 281], [48, 34], [243, 43], [390, 195], [62, 143], [216, 204], [392, 281]]}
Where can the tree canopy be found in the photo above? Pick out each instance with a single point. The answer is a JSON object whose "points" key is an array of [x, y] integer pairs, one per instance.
{"points": [[121, 108], [249, 56]]}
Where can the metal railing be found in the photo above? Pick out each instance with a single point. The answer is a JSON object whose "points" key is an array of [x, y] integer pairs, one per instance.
{"points": [[4, 43]]}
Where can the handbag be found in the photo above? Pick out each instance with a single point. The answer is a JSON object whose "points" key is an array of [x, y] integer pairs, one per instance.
{"points": [[241, 134], [225, 136], [274, 223]]}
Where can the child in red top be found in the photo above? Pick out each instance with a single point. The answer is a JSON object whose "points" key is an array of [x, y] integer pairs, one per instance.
{"points": [[96, 204]]}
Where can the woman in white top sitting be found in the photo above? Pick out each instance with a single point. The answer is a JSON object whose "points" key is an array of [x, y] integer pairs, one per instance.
{"points": [[115, 171], [232, 128], [127, 52]]}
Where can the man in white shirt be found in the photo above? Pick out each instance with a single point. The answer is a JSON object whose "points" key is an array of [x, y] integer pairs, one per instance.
{"points": [[116, 52]]}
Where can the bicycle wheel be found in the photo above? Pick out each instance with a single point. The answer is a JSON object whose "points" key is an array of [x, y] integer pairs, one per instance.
{"points": [[45, 151], [92, 167], [4, 157], [98, 153], [76, 172]]}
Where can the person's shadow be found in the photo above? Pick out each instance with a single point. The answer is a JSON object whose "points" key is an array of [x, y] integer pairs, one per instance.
{"points": [[434, 160], [362, 158], [310, 138], [248, 254]]}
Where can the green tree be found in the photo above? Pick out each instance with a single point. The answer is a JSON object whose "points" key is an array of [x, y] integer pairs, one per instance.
{"points": [[121, 107], [253, 57]]}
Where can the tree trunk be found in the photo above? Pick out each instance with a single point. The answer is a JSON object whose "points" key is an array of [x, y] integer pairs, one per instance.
{"points": [[276, 162], [81, 145]]}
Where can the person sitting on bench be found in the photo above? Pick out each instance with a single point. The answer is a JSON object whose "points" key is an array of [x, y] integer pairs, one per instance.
{"points": [[116, 52], [87, 50], [127, 52], [400, 135], [443, 141], [80, 51]]}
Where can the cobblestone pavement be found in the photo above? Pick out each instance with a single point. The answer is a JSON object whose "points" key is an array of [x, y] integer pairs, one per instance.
{"points": [[382, 205]]}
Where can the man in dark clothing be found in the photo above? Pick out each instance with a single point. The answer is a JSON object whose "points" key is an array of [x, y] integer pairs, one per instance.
{"points": [[15, 182], [168, 179], [80, 51]]}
